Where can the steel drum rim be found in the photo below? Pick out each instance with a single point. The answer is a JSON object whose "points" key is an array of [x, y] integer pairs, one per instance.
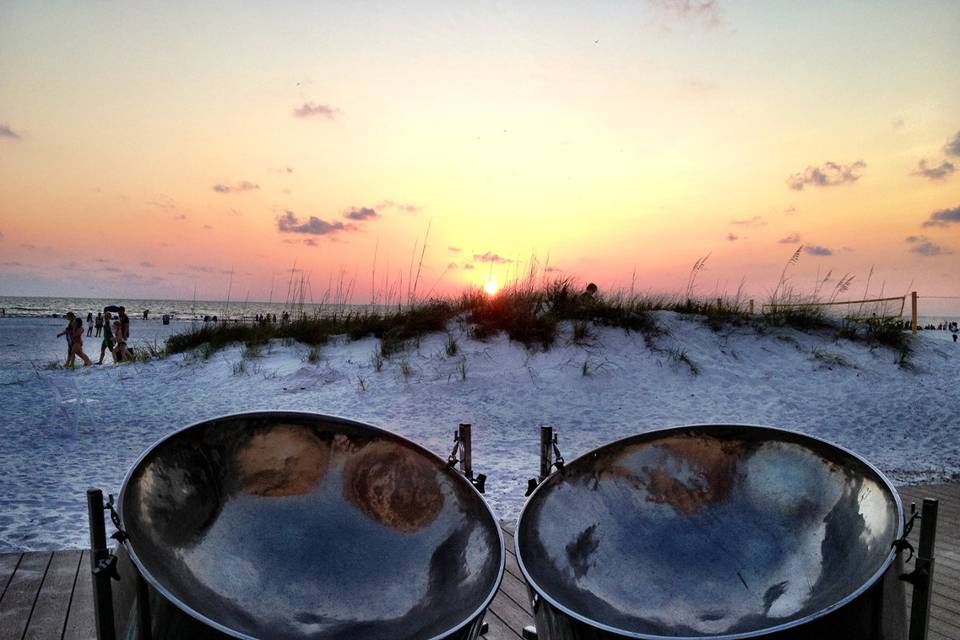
{"points": [[735, 636], [154, 583]]}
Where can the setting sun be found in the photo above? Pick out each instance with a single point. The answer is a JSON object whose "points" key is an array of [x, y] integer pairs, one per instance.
{"points": [[491, 287]]}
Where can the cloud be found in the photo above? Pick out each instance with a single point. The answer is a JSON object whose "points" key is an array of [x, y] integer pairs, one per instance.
{"points": [[316, 110], [490, 257], [952, 148], [243, 185], [399, 206], [943, 218], [934, 173], [310, 242], [829, 174], [364, 213], [182, 216], [706, 10], [7, 132], [924, 247], [208, 227], [290, 223], [451, 265], [755, 221], [282, 170], [112, 269], [793, 238], [163, 202], [451, 248], [897, 123], [200, 268], [468, 266], [789, 211], [234, 213], [146, 265], [12, 263], [816, 250], [732, 237], [1, 235]]}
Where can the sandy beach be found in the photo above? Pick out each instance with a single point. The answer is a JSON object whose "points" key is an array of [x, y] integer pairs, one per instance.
{"points": [[63, 431]]}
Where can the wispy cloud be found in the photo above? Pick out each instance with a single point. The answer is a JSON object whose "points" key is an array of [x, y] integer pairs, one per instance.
{"points": [[793, 238], [755, 221], [789, 211], [934, 173], [924, 247], [829, 174], [316, 110], [952, 148], [706, 10], [491, 258], [7, 132], [468, 266], [452, 265], [243, 185], [450, 248], [363, 213], [732, 237], [816, 250], [405, 207], [943, 217], [181, 216], [897, 123], [146, 265], [290, 223], [163, 202]]}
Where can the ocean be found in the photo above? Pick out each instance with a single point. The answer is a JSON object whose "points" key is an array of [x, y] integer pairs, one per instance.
{"points": [[31, 307]]}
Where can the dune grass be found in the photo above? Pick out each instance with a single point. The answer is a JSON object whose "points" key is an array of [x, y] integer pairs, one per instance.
{"points": [[531, 311]]}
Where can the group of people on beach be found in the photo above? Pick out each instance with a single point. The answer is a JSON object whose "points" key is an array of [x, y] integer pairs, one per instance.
{"points": [[115, 333]]}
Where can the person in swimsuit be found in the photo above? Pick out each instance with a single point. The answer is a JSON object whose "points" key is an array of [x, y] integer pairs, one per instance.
{"points": [[120, 352], [78, 344], [99, 323], [89, 324], [107, 344], [68, 333]]}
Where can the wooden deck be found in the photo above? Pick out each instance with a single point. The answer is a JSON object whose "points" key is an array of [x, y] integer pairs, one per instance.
{"points": [[48, 595]]}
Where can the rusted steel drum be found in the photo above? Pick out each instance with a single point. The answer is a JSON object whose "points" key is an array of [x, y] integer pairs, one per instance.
{"points": [[295, 525], [714, 532]]}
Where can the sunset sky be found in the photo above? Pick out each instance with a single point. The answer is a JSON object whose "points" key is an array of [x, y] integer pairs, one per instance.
{"points": [[146, 149]]}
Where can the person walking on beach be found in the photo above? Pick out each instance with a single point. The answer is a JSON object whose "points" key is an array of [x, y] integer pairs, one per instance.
{"points": [[107, 344], [78, 345], [99, 323], [68, 333], [89, 324]]}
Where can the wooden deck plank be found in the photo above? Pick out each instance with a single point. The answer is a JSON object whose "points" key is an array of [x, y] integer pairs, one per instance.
{"points": [[497, 629], [53, 602], [80, 623], [21, 594], [8, 564]]}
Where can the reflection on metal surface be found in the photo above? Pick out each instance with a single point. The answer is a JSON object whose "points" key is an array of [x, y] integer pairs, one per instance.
{"points": [[286, 461], [303, 526], [395, 487], [704, 531]]}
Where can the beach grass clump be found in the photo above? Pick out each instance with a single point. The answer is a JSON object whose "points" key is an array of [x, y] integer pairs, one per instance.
{"points": [[451, 348]]}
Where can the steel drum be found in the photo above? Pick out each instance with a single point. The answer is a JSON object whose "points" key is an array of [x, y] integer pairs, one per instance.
{"points": [[713, 532], [294, 525]]}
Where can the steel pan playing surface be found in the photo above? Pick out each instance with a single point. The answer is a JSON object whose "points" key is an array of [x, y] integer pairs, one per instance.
{"points": [[303, 526], [708, 531]]}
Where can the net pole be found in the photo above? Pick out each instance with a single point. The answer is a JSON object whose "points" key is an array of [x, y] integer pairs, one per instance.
{"points": [[913, 319]]}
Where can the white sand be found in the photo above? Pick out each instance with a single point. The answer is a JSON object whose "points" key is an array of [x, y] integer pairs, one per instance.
{"points": [[63, 431]]}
